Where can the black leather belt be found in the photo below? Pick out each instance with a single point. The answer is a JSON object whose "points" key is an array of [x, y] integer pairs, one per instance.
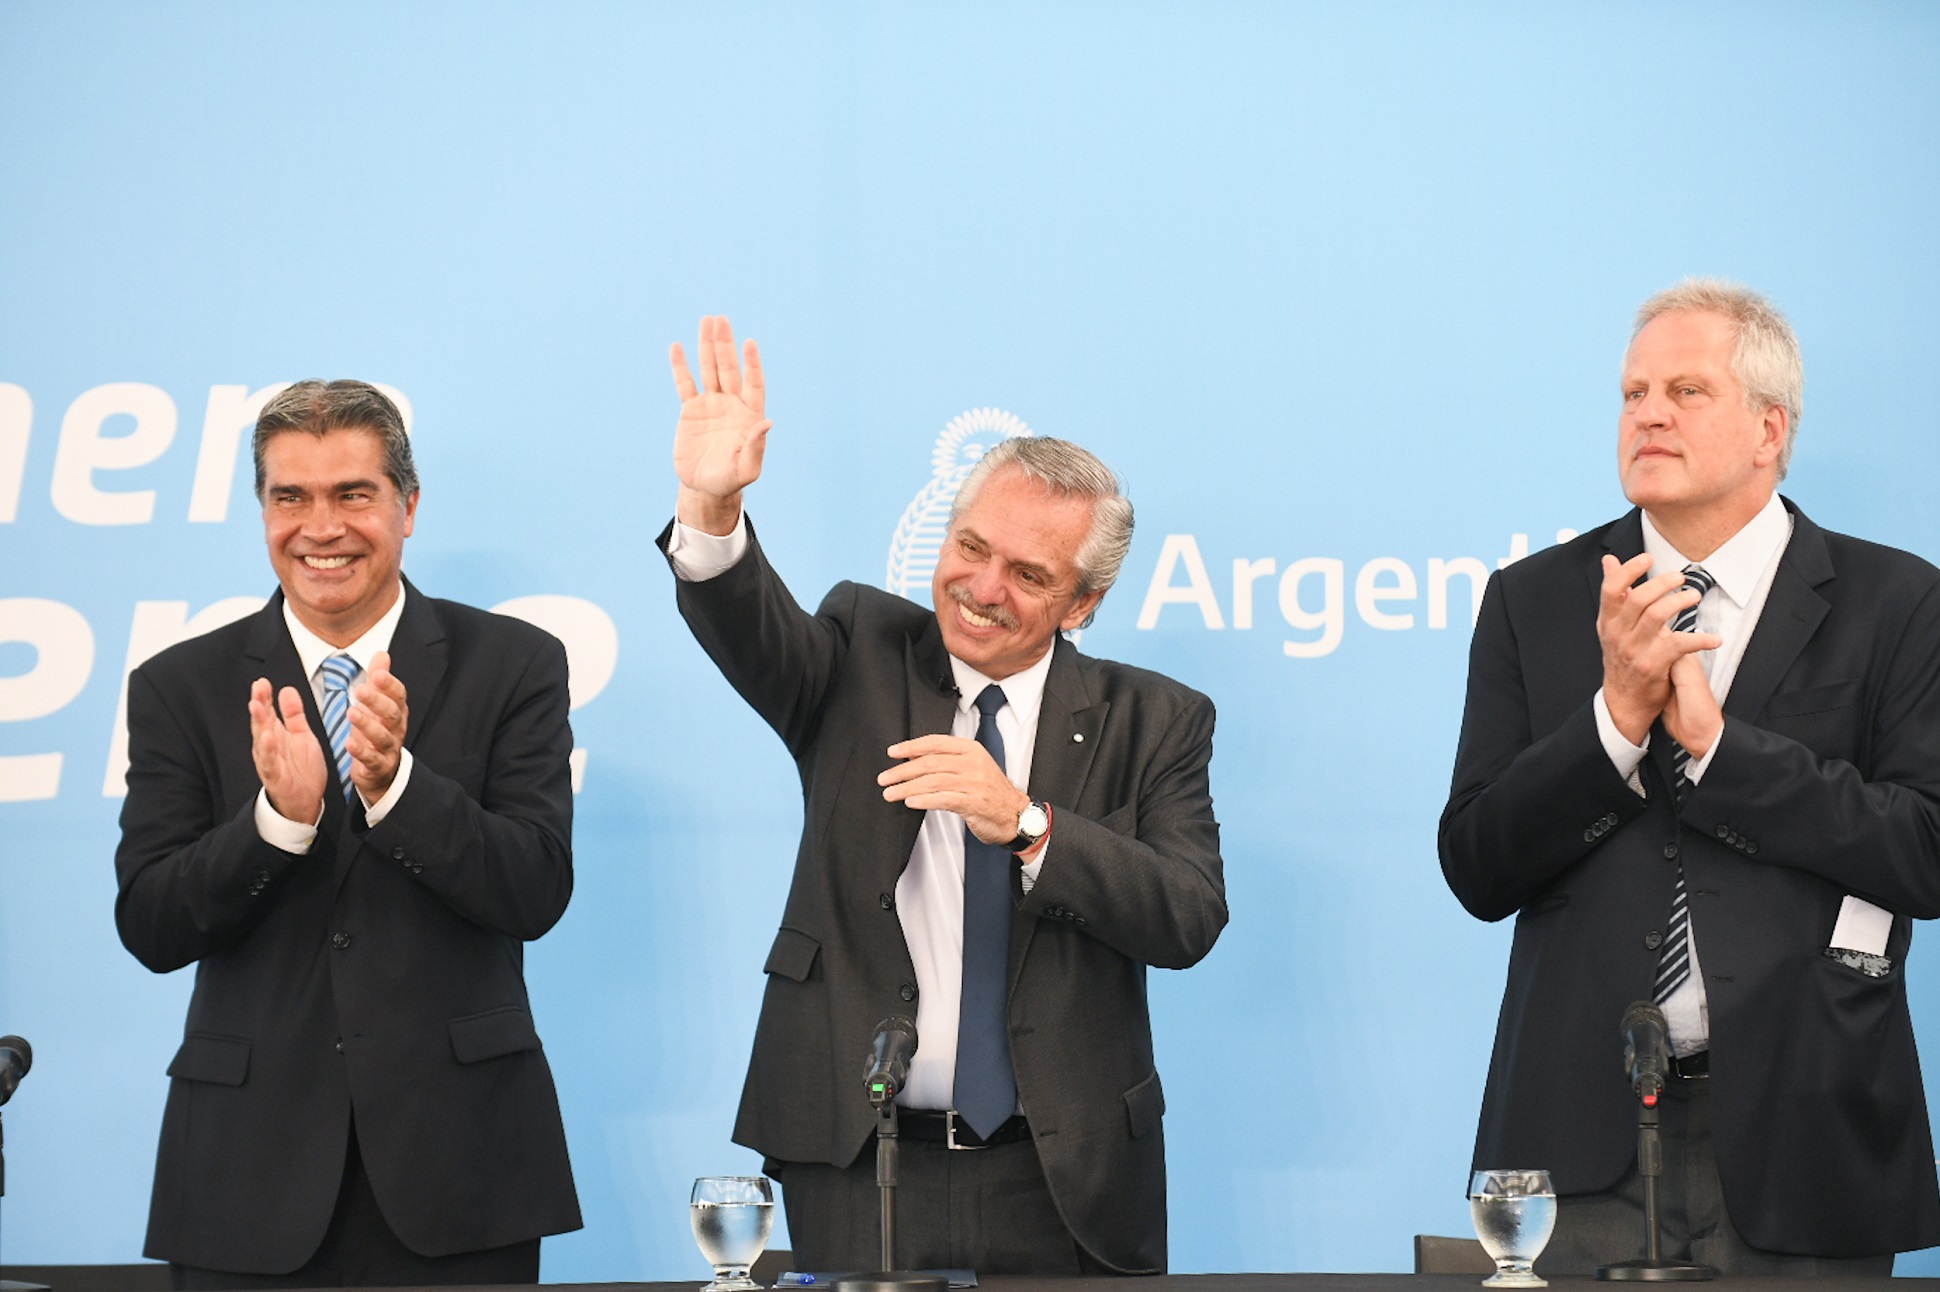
{"points": [[1692, 1066], [949, 1129]]}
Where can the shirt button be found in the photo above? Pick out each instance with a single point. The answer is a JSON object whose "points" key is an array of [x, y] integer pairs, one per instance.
{"points": [[1670, 852], [908, 991], [341, 941], [1653, 939], [886, 901]]}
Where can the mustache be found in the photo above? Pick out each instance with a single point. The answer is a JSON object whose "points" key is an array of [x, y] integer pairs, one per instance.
{"points": [[961, 595]]}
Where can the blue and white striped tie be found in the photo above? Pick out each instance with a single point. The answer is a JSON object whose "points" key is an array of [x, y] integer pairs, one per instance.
{"points": [[1674, 965], [339, 671]]}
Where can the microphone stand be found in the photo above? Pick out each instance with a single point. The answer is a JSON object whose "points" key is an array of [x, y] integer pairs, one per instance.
{"points": [[1650, 1165], [888, 1153]]}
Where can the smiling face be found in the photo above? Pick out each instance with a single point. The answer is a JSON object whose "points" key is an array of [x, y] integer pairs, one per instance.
{"points": [[335, 526], [1007, 578], [1688, 449]]}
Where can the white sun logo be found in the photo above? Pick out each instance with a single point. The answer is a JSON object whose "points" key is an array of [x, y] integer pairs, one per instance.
{"points": [[918, 539]]}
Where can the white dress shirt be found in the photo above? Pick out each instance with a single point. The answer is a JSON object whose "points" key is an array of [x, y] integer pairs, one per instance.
{"points": [[1744, 568], [273, 826], [929, 895]]}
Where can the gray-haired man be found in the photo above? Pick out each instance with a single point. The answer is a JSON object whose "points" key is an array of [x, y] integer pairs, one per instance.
{"points": [[1000, 835], [1700, 764]]}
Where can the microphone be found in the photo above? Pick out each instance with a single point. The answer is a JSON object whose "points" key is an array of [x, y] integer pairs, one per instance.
{"points": [[889, 1057], [16, 1057], [1646, 1049]]}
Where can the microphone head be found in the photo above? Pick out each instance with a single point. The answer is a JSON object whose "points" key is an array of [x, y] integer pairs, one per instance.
{"points": [[19, 1045], [898, 1023], [1642, 1011]]}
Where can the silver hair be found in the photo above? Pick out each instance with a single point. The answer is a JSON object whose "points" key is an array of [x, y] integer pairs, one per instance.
{"points": [[316, 406], [1765, 358], [1070, 472]]}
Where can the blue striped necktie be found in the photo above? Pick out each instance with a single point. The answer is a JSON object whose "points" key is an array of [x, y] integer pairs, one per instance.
{"points": [[986, 1085], [1674, 964], [339, 671]]}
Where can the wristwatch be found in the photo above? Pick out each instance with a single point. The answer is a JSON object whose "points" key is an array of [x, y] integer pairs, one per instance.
{"points": [[1033, 823]]}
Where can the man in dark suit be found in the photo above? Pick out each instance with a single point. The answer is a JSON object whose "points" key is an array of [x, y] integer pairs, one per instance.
{"points": [[350, 811], [1000, 835], [1700, 763]]}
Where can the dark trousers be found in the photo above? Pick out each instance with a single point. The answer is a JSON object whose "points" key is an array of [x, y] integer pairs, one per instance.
{"points": [[1600, 1228], [985, 1209], [359, 1250]]}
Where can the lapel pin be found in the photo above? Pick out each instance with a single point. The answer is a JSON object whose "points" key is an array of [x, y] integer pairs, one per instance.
{"points": [[1077, 737]]}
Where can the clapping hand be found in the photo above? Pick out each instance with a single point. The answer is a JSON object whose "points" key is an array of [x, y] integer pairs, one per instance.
{"points": [[289, 761], [722, 433]]}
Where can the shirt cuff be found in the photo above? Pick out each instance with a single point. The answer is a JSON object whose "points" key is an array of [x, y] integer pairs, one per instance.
{"points": [[376, 812], [1623, 755], [1030, 871], [279, 831], [698, 556], [1694, 770]]}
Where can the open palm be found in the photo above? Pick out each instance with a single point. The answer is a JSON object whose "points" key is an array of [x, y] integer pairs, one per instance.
{"points": [[722, 434]]}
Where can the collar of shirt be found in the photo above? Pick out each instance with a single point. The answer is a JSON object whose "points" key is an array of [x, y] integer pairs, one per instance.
{"points": [[313, 650], [1740, 564], [1023, 691]]}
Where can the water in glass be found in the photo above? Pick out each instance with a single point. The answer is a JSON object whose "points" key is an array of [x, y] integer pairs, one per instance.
{"points": [[1514, 1214], [732, 1217]]}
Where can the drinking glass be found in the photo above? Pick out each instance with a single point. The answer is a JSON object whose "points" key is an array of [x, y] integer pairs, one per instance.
{"points": [[732, 1217], [1514, 1214]]}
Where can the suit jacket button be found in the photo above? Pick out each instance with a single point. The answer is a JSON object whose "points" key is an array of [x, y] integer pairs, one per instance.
{"points": [[1670, 852], [341, 941], [1751, 847], [1589, 836], [1724, 832], [1078, 920], [1653, 939], [417, 868], [1611, 820], [908, 991], [340, 1045], [397, 854], [886, 901]]}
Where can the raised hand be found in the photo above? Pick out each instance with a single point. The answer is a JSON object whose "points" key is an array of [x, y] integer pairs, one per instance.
{"points": [[722, 432], [955, 775], [379, 718], [1639, 648], [289, 761]]}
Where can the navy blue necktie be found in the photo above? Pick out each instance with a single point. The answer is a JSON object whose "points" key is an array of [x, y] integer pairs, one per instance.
{"points": [[1674, 962], [986, 1086]]}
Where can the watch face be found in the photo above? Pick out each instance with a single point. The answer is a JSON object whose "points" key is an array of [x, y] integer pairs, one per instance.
{"points": [[1032, 821]]}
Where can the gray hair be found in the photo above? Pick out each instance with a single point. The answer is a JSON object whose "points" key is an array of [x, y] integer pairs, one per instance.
{"points": [[1070, 472], [1765, 359], [317, 406]]}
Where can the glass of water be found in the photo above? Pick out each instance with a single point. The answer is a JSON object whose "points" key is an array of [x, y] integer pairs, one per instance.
{"points": [[732, 1217], [1514, 1214]]}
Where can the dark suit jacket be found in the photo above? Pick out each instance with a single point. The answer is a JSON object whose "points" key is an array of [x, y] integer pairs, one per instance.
{"points": [[1826, 782], [1133, 878], [378, 976]]}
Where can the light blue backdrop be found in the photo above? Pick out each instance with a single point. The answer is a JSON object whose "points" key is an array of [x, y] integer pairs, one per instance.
{"points": [[1332, 281]]}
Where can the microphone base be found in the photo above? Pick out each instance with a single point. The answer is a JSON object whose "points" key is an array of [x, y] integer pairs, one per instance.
{"points": [[1656, 1272], [892, 1281]]}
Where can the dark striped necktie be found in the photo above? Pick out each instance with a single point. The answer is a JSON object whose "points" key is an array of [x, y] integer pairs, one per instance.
{"points": [[1674, 965], [986, 1085]]}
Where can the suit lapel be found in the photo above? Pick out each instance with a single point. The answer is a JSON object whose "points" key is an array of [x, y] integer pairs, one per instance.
{"points": [[418, 658], [930, 692], [1792, 614], [1069, 726]]}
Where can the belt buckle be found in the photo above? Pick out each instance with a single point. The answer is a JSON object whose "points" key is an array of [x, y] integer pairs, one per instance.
{"points": [[950, 1133]]}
